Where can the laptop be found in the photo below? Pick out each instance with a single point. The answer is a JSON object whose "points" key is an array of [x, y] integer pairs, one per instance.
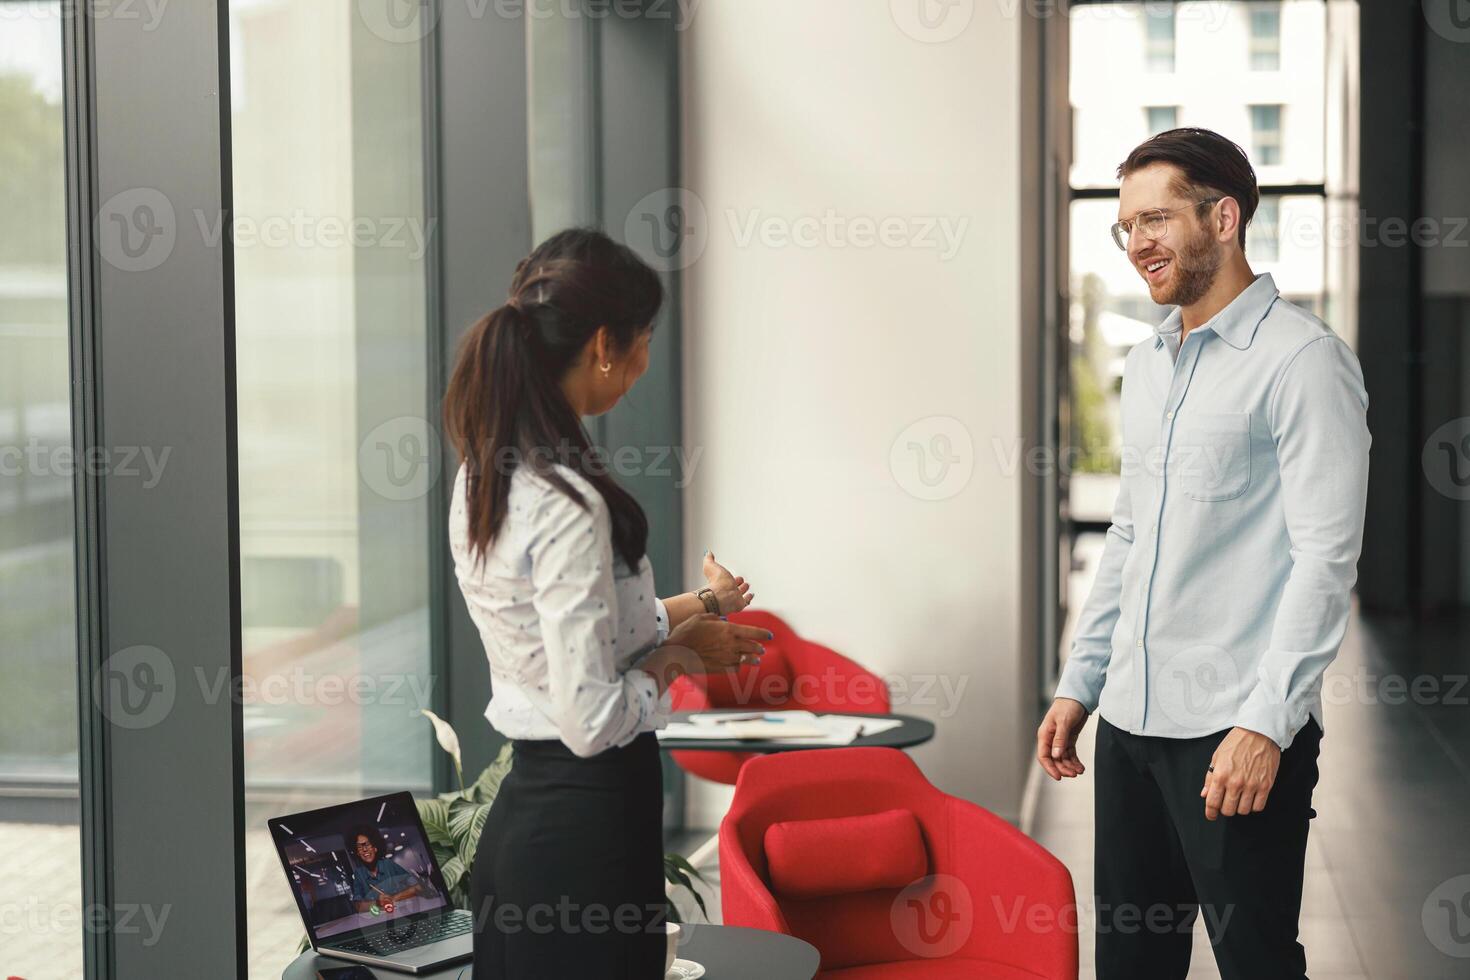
{"points": [[368, 886]]}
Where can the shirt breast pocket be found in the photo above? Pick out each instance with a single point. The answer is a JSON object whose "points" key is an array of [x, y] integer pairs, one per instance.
{"points": [[1215, 456]]}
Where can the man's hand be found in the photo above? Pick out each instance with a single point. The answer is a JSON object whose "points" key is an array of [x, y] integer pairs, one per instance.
{"points": [[1056, 739], [1243, 772]]}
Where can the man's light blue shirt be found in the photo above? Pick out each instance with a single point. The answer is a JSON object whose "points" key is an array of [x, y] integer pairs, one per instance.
{"points": [[1224, 587]]}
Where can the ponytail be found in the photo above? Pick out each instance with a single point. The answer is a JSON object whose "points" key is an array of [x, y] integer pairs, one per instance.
{"points": [[504, 406]]}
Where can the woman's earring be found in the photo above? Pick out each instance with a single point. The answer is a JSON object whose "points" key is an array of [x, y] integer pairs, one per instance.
{"points": [[606, 370]]}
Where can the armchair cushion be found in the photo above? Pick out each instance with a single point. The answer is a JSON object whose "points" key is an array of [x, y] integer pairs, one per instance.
{"points": [[841, 855]]}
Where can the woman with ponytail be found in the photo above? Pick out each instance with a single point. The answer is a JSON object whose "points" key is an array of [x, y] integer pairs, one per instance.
{"points": [[549, 552]]}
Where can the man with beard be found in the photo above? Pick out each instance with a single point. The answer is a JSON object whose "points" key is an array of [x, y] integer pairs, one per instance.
{"points": [[1223, 590]]}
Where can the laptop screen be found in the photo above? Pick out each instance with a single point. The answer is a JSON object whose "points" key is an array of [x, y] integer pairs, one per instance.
{"points": [[359, 866]]}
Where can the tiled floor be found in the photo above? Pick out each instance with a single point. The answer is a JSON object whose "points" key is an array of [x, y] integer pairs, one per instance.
{"points": [[1393, 803]]}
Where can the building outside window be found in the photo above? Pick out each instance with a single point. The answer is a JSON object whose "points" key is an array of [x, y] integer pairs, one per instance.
{"points": [[39, 760], [1159, 24], [1263, 236], [1266, 139], [1161, 118], [1265, 43]]}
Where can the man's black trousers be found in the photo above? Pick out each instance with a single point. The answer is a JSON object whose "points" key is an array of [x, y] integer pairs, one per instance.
{"points": [[1160, 863]]}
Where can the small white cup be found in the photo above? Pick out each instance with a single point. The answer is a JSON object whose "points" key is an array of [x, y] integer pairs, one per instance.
{"points": [[671, 938]]}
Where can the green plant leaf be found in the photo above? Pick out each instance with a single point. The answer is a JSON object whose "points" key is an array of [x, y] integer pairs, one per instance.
{"points": [[470, 839], [681, 863], [679, 872], [488, 785], [435, 815], [453, 870]]}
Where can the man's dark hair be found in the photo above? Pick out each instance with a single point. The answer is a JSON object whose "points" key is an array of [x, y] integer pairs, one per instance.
{"points": [[1209, 166]]}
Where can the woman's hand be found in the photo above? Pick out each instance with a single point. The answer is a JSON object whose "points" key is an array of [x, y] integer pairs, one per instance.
{"points": [[733, 592], [706, 644]]}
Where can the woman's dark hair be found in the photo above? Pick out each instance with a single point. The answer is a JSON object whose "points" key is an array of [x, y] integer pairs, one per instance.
{"points": [[504, 406], [1209, 166], [374, 838]]}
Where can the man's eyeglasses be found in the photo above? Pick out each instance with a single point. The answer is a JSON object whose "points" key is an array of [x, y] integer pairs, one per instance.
{"points": [[1151, 224], [363, 845]]}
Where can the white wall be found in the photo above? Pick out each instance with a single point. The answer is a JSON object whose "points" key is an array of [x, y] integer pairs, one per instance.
{"points": [[805, 362]]}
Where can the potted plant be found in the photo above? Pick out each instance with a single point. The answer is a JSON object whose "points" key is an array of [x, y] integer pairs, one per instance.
{"points": [[453, 822]]}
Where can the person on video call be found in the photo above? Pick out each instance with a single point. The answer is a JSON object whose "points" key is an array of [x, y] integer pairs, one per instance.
{"points": [[376, 878], [550, 553], [1223, 590]]}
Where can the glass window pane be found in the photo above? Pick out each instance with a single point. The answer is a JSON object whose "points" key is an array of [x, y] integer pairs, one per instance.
{"points": [[1266, 135], [335, 455], [559, 121], [39, 813], [1161, 118], [1158, 22], [1265, 42], [1111, 87]]}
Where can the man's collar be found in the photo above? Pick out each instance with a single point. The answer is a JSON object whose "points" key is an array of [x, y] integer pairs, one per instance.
{"points": [[1237, 322]]}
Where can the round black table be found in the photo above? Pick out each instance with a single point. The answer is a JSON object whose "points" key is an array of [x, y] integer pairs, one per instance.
{"points": [[913, 731], [725, 952]]}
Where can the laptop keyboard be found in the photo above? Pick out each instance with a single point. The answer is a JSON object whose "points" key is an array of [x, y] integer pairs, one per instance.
{"points": [[447, 926]]}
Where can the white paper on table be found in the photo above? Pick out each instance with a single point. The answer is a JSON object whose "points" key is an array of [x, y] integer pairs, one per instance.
{"points": [[870, 725], [798, 727]]}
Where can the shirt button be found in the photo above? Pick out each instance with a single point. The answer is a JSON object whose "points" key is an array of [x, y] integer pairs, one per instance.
{"points": [[1170, 416], [1140, 644]]}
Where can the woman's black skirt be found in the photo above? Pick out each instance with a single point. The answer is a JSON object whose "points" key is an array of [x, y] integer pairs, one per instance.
{"points": [[568, 878]]}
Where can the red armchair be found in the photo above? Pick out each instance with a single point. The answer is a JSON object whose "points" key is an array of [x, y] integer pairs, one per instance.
{"points": [[794, 674], [991, 904]]}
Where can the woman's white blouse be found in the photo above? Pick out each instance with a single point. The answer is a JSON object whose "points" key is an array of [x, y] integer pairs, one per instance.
{"points": [[563, 621]]}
